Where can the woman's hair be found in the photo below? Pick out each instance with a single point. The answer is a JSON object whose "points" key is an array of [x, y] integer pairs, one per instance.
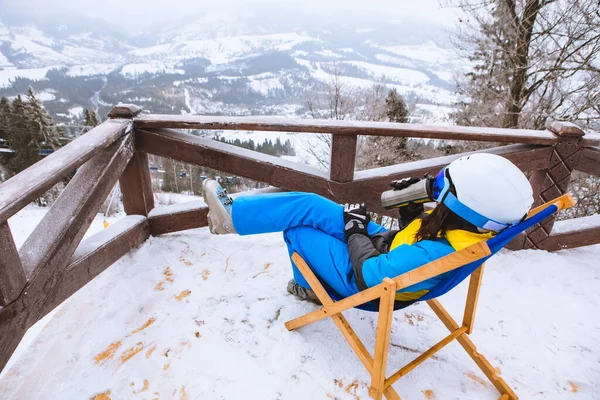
{"points": [[440, 220]]}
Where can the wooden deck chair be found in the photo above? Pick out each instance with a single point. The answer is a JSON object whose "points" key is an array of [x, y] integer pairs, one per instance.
{"points": [[462, 263]]}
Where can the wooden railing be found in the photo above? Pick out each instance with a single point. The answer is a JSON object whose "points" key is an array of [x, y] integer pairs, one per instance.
{"points": [[52, 264]]}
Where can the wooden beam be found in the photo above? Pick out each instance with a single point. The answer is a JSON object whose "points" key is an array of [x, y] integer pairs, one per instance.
{"points": [[343, 157], [124, 111], [553, 181], [518, 243], [178, 217], [234, 160], [190, 215], [136, 186], [96, 254], [569, 240], [48, 249], [526, 157], [589, 161], [500, 135], [564, 128], [368, 184], [293, 176], [66, 222], [12, 330], [12, 277], [25, 187], [591, 139]]}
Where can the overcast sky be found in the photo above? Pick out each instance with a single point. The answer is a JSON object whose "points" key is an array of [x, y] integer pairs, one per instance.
{"points": [[156, 10]]}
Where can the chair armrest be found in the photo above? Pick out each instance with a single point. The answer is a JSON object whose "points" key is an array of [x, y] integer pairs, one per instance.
{"points": [[477, 251], [563, 202]]}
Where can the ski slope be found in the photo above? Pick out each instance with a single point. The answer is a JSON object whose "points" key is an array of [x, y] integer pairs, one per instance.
{"points": [[195, 316]]}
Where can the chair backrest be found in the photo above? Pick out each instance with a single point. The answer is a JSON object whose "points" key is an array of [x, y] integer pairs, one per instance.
{"points": [[456, 276]]}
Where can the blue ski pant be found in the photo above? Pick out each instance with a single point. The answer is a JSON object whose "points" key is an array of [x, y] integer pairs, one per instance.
{"points": [[312, 226]]}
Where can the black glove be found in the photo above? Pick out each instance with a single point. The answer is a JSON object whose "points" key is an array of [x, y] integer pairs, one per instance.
{"points": [[412, 210], [356, 219], [409, 212], [404, 183]]}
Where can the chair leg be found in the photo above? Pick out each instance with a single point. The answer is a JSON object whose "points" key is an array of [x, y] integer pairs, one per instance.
{"points": [[472, 299], [382, 340], [340, 321], [471, 350]]}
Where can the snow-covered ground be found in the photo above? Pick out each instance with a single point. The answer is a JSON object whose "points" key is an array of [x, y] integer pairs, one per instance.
{"points": [[195, 316], [7, 76]]}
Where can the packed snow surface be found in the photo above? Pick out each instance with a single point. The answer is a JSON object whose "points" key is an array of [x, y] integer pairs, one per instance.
{"points": [[195, 316]]}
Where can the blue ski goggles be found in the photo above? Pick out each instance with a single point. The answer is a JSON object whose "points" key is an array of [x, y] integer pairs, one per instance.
{"points": [[442, 194]]}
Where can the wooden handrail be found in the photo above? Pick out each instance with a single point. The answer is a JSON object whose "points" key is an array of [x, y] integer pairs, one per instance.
{"points": [[591, 139], [590, 161], [500, 135], [366, 186]]}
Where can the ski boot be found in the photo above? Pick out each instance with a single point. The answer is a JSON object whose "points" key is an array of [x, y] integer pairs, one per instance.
{"points": [[302, 293], [219, 208]]}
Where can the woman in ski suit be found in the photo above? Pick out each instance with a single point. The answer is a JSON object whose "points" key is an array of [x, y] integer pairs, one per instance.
{"points": [[476, 196]]}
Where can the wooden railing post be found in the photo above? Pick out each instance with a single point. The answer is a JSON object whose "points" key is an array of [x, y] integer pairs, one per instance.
{"points": [[554, 181], [135, 183], [343, 156], [12, 276], [136, 186]]}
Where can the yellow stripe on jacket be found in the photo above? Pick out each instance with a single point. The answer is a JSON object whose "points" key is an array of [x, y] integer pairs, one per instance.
{"points": [[458, 239]]}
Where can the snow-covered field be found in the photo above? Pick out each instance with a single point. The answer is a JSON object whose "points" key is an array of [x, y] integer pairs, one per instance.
{"points": [[150, 68], [224, 49], [429, 52], [195, 316], [403, 75], [7, 76]]}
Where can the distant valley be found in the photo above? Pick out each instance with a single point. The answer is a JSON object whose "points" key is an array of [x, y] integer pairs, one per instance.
{"points": [[222, 67]]}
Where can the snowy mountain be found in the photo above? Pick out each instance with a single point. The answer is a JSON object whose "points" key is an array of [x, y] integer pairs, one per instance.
{"points": [[219, 62], [31, 44]]}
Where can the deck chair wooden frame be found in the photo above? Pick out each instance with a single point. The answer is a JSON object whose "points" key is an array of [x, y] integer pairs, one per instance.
{"points": [[385, 292]]}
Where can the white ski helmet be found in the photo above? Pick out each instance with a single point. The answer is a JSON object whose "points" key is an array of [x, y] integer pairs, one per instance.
{"points": [[491, 192]]}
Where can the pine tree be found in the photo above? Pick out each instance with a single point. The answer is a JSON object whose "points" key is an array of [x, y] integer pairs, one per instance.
{"points": [[91, 118], [42, 121], [395, 107], [4, 114], [382, 150], [23, 135]]}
